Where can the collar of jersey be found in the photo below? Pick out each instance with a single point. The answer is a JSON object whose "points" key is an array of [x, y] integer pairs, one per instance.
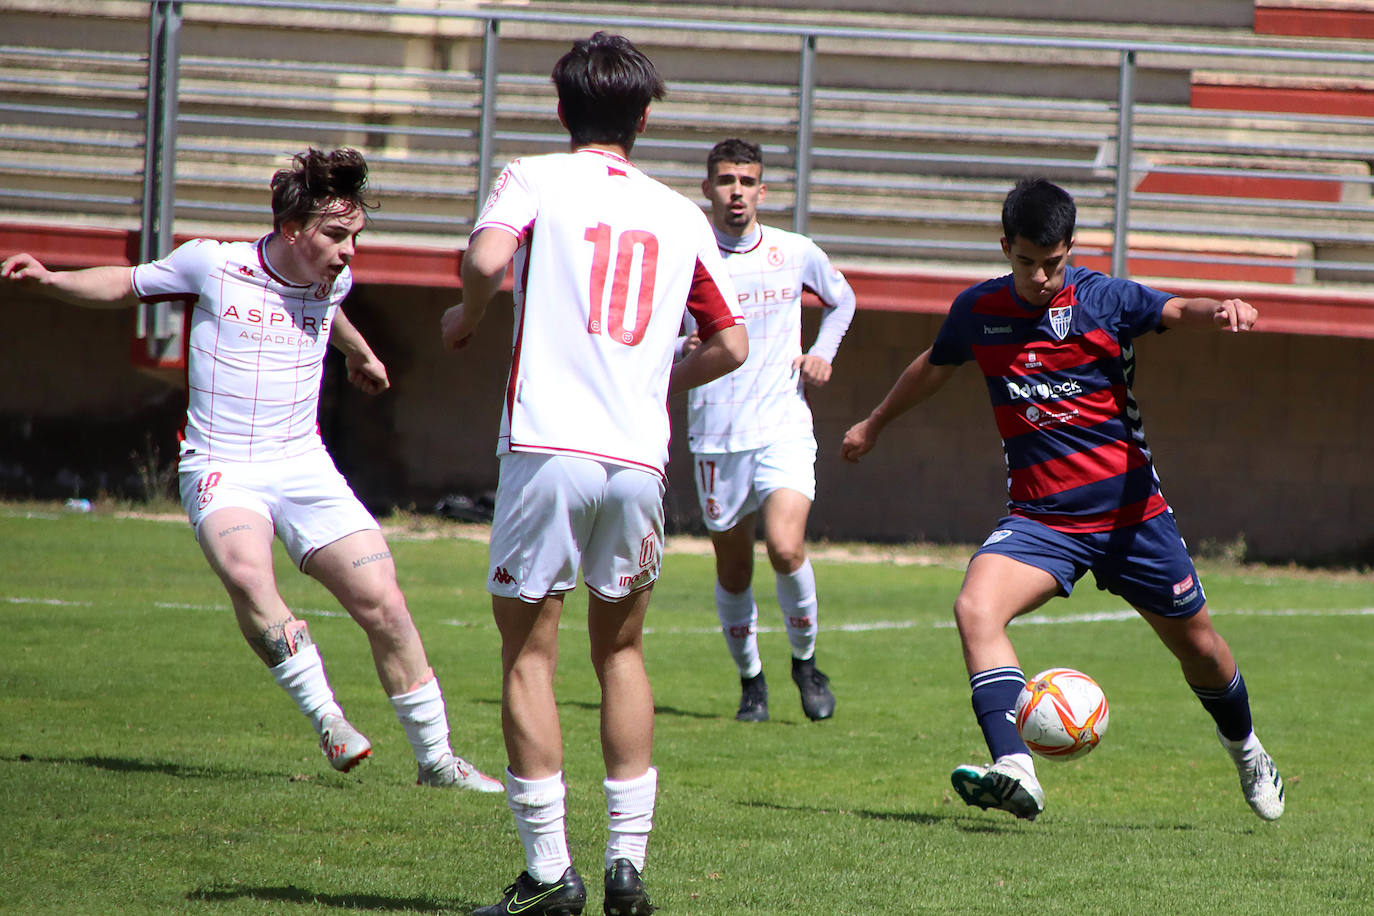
{"points": [[272, 271], [737, 244], [601, 152]]}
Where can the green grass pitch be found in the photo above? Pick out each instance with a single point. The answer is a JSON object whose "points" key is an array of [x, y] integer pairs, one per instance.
{"points": [[148, 764]]}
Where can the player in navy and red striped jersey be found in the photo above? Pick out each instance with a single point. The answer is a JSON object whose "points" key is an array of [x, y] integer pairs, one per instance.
{"points": [[607, 263], [1054, 343]]}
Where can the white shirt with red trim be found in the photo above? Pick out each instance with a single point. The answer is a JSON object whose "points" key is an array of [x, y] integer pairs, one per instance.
{"points": [[255, 348], [610, 260], [764, 401]]}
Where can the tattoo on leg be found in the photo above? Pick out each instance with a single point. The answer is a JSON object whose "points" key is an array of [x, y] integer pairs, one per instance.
{"points": [[231, 530], [371, 558], [282, 640]]}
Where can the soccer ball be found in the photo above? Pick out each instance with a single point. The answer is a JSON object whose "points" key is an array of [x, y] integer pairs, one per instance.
{"points": [[1061, 714]]}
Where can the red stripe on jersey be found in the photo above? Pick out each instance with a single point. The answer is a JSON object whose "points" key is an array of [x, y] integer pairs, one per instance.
{"points": [[707, 305], [1124, 517], [1052, 355], [1059, 474], [1087, 410], [1002, 304]]}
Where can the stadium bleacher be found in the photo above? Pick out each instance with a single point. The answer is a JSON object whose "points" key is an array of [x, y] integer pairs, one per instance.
{"points": [[924, 112]]}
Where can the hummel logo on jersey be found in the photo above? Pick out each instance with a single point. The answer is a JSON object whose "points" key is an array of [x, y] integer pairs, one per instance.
{"points": [[505, 578]]}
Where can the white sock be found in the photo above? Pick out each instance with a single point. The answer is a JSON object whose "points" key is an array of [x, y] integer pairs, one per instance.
{"points": [[1025, 761], [738, 615], [800, 609], [425, 721], [539, 819], [1243, 752], [302, 677], [630, 807]]}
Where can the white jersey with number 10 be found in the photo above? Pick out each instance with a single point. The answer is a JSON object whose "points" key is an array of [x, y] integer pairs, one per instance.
{"points": [[609, 262]]}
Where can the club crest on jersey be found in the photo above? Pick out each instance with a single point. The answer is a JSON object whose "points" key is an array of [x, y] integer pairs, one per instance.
{"points": [[775, 257], [1061, 317]]}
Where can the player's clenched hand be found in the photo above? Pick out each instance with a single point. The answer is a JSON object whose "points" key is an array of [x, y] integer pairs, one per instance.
{"points": [[1236, 314], [367, 372], [859, 440], [691, 343], [814, 370], [455, 328]]}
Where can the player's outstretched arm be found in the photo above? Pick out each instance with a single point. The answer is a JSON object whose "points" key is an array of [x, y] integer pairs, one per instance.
{"points": [[93, 287], [1205, 314], [484, 267], [919, 381], [722, 352], [365, 370]]}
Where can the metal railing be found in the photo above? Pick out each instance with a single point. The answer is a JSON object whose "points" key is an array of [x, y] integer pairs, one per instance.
{"points": [[889, 186]]}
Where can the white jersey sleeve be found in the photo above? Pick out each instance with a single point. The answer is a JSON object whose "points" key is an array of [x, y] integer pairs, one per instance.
{"points": [[255, 348], [830, 286], [764, 401], [609, 262]]}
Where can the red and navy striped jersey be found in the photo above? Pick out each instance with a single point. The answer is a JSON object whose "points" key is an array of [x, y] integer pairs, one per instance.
{"points": [[1059, 378]]}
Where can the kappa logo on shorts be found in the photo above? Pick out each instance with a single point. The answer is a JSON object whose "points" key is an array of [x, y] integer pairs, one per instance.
{"points": [[502, 576], [1001, 534]]}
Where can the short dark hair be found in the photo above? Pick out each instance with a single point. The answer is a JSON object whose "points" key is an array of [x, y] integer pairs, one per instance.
{"points": [[604, 85], [733, 150], [1040, 212], [315, 179]]}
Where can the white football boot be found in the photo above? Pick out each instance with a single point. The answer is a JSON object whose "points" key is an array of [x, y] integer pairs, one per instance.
{"points": [[344, 746], [1006, 786], [453, 772], [1259, 777]]}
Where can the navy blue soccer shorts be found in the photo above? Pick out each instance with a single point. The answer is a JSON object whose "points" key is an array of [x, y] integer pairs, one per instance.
{"points": [[1146, 564]]}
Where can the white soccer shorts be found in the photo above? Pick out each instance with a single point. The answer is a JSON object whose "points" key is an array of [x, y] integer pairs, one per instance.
{"points": [[730, 485], [307, 500], [556, 513]]}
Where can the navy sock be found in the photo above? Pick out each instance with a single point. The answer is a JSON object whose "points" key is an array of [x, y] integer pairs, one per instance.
{"points": [[994, 703], [1229, 706]]}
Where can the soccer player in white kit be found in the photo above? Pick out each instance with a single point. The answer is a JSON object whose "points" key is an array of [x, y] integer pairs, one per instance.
{"points": [[753, 447], [252, 464], [607, 261]]}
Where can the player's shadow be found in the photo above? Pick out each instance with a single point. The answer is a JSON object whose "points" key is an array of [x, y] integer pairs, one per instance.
{"points": [[305, 897], [908, 817], [959, 820], [659, 709], [136, 765]]}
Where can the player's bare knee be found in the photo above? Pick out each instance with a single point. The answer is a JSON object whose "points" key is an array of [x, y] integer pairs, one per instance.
{"points": [[734, 578], [786, 558], [380, 613]]}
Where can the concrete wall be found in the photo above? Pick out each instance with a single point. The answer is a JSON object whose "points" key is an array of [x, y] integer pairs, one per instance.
{"points": [[1256, 436]]}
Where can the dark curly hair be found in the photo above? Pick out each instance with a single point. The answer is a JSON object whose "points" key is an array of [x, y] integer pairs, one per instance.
{"points": [[315, 179]]}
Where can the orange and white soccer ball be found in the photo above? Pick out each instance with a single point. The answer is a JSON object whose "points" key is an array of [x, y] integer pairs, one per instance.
{"points": [[1061, 714]]}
